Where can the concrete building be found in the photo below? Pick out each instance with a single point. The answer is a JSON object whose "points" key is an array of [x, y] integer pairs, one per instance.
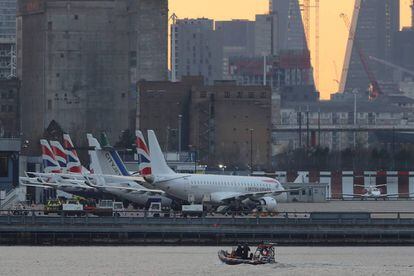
{"points": [[237, 37], [336, 113], [290, 30], [9, 108], [9, 164], [216, 120], [196, 50], [290, 68], [231, 125], [7, 39], [79, 61], [155, 99], [375, 24], [265, 35]]}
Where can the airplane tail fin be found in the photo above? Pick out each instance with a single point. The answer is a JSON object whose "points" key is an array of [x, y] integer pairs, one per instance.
{"points": [[93, 154], [143, 155], [60, 154], [158, 163], [73, 163], [50, 164], [105, 161]]}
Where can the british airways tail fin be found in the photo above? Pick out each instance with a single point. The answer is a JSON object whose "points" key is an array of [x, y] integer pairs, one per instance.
{"points": [[73, 163], [60, 154], [50, 165], [158, 163], [143, 153]]}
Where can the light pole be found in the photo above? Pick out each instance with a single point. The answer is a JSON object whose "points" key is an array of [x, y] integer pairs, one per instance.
{"points": [[355, 91], [251, 150], [180, 117]]}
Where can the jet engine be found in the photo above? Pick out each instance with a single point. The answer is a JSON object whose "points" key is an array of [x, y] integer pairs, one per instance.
{"points": [[268, 204]]}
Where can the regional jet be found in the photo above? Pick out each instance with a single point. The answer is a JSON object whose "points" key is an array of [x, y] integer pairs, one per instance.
{"points": [[222, 192]]}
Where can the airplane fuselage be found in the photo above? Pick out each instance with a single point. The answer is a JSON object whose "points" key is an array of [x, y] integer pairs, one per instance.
{"points": [[212, 188]]}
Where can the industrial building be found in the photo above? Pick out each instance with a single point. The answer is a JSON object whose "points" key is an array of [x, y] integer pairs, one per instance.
{"points": [[372, 30], [9, 108], [7, 39], [335, 113], [223, 123], [9, 164], [78, 62]]}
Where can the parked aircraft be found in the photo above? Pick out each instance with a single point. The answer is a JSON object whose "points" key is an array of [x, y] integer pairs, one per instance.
{"points": [[111, 177], [224, 192], [372, 191]]}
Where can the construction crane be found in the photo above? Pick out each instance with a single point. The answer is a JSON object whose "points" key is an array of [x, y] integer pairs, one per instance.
{"points": [[375, 88]]}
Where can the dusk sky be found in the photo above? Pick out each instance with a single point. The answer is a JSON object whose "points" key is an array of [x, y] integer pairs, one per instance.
{"points": [[333, 32]]}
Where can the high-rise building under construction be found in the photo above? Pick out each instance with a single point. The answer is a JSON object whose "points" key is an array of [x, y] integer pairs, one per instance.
{"points": [[372, 30], [289, 24]]}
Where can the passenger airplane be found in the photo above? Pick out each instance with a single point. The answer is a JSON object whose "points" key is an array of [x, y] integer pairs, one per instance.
{"points": [[111, 173], [54, 175], [57, 176], [223, 192]]}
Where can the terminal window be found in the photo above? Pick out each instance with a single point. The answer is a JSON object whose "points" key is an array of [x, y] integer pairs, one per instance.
{"points": [[4, 166]]}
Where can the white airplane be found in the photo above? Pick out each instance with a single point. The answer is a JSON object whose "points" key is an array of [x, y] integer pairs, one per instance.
{"points": [[55, 174], [372, 191], [223, 192], [113, 177]]}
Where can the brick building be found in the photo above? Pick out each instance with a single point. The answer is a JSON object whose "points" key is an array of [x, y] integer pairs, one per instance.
{"points": [[224, 123]]}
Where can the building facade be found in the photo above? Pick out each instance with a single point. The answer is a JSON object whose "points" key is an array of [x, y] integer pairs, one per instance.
{"points": [[196, 50], [9, 108], [289, 25], [374, 24], [78, 62], [223, 123], [7, 39]]}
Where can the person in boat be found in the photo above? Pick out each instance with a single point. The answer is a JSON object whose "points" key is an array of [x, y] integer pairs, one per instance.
{"points": [[239, 251], [246, 250]]}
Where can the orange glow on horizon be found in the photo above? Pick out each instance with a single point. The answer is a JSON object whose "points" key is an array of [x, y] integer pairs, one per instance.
{"points": [[333, 33]]}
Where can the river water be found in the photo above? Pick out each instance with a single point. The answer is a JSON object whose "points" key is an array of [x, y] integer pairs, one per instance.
{"points": [[179, 261]]}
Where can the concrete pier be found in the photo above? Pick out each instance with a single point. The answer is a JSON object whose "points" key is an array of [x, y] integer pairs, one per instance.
{"points": [[287, 229]]}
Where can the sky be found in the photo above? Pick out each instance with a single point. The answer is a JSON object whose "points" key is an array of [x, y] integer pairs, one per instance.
{"points": [[333, 33]]}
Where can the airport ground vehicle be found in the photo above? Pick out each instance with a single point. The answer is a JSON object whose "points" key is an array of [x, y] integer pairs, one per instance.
{"points": [[192, 210], [108, 208], [53, 206]]}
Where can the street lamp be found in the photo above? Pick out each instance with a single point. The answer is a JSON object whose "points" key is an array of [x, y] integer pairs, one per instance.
{"points": [[251, 150], [180, 118], [355, 92]]}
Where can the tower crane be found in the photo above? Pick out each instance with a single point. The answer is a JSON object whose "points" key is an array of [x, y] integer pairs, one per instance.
{"points": [[375, 88]]}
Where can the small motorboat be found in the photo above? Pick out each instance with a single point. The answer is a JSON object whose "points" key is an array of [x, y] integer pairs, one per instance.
{"points": [[264, 254]]}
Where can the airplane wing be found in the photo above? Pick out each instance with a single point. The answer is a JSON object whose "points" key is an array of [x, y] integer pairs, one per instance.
{"points": [[228, 197], [354, 195], [254, 196], [131, 189]]}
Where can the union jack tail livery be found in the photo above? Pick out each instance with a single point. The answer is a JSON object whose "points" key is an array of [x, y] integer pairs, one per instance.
{"points": [[143, 155], [73, 163], [60, 153], [50, 164]]}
